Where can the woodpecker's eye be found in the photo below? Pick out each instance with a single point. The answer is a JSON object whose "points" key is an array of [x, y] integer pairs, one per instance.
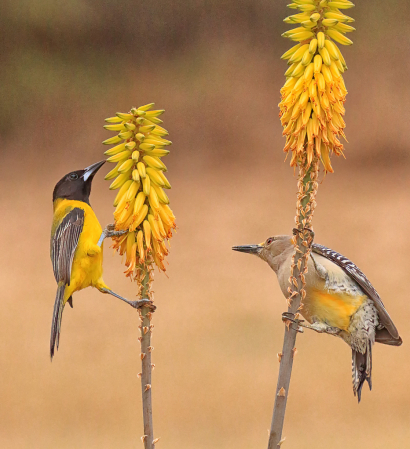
{"points": [[73, 176], [270, 240]]}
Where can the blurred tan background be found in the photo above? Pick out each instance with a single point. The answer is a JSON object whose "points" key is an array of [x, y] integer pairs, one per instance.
{"points": [[214, 66]]}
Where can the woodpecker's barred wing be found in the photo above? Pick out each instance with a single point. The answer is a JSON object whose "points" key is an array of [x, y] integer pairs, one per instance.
{"points": [[358, 276], [64, 244]]}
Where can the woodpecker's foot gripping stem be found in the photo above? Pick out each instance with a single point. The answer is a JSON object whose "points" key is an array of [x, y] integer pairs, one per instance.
{"points": [[110, 231], [290, 317], [297, 231], [317, 327], [136, 304]]}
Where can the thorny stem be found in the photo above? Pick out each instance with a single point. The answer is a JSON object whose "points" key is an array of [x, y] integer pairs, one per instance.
{"points": [[305, 205], [145, 339]]}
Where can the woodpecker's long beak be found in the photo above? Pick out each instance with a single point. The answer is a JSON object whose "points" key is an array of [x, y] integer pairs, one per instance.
{"points": [[90, 171], [250, 249]]}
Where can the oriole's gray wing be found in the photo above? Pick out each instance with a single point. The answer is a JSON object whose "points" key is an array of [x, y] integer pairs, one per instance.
{"points": [[358, 276], [64, 243]]}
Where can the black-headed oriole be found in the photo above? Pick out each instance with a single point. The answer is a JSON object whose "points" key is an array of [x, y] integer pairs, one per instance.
{"points": [[77, 244]]}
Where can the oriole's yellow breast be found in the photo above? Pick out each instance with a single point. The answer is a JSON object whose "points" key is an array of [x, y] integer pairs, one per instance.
{"points": [[87, 263]]}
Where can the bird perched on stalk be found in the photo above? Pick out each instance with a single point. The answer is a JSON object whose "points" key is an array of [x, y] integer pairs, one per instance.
{"points": [[77, 244], [339, 301]]}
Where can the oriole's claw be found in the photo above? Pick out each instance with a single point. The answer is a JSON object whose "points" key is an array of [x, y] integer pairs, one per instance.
{"points": [[143, 303], [111, 232], [136, 304]]}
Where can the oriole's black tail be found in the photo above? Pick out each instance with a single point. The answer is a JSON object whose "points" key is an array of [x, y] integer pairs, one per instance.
{"points": [[361, 370], [56, 323]]}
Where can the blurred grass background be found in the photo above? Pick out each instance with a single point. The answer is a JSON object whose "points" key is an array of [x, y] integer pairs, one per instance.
{"points": [[214, 66]]}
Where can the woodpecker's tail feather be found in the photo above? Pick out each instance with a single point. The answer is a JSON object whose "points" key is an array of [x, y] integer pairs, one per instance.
{"points": [[361, 370], [56, 323]]}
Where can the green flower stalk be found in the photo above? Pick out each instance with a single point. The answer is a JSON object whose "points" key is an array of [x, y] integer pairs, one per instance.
{"points": [[312, 106]]}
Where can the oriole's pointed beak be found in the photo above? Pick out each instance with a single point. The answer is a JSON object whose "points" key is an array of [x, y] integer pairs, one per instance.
{"points": [[250, 249], [90, 171]]}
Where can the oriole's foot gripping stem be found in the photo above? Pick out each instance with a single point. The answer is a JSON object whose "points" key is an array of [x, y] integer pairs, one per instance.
{"points": [[109, 231], [136, 304]]}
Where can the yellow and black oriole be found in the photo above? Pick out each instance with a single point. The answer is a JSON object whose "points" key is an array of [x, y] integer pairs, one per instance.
{"points": [[77, 244]]}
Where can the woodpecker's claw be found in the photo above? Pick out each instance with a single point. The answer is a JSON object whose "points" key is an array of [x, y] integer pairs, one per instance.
{"points": [[291, 317], [143, 303], [288, 316], [299, 231]]}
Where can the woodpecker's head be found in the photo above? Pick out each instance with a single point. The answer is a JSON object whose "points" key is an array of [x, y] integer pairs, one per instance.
{"points": [[273, 249], [77, 184]]}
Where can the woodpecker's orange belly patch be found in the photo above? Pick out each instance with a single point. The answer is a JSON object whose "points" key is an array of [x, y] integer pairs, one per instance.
{"points": [[332, 308]]}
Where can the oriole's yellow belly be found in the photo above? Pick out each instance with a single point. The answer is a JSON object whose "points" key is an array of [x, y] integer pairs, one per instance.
{"points": [[334, 309], [86, 268]]}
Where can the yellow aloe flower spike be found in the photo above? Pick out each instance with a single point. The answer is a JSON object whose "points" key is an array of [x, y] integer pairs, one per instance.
{"points": [[142, 206], [312, 105]]}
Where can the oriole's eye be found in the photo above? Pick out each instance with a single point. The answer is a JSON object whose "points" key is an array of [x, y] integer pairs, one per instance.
{"points": [[270, 240], [73, 176]]}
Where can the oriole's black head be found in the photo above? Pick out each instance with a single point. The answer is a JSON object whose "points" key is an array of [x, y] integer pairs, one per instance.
{"points": [[77, 184]]}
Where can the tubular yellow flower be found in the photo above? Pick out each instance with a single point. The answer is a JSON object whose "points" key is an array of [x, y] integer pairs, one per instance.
{"points": [[147, 234], [314, 93], [141, 203]]}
